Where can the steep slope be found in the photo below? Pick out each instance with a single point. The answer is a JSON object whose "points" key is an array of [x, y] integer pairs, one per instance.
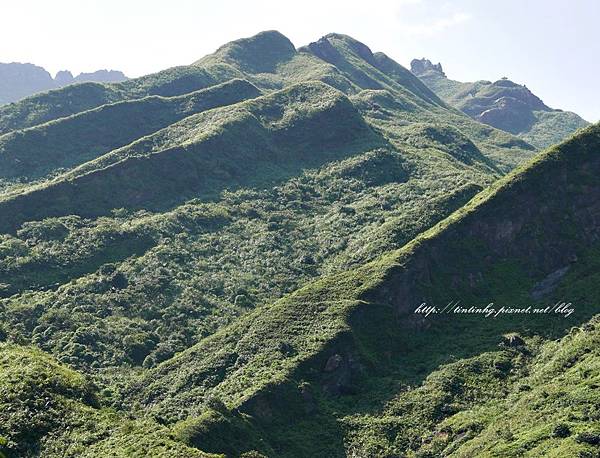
{"points": [[336, 60], [518, 400], [280, 189], [59, 414], [337, 347], [367, 70], [502, 104], [202, 155], [227, 63], [72, 99], [182, 230], [391, 93]]}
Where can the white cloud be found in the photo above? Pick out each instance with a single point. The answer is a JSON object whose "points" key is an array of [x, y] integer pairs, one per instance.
{"points": [[434, 27]]}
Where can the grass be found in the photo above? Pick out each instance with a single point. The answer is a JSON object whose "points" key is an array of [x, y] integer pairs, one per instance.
{"points": [[239, 279], [33, 153], [49, 409], [263, 376], [525, 116]]}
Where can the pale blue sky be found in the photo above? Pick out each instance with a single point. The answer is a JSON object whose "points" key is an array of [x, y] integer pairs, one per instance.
{"points": [[552, 46]]}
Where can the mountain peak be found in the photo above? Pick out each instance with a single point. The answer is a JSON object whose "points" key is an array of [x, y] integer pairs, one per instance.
{"points": [[64, 77], [324, 47], [258, 53], [422, 66]]}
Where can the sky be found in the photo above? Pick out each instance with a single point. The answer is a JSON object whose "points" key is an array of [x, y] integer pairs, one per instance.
{"points": [[551, 46]]}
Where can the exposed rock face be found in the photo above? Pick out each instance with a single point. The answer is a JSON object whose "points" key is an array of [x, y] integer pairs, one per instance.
{"points": [[422, 66], [507, 113], [503, 104], [548, 284], [339, 372], [101, 76], [65, 77], [513, 340]]}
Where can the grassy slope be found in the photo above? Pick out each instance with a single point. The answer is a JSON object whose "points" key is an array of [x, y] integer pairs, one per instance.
{"points": [[134, 288], [60, 103], [389, 90], [543, 128], [47, 409], [284, 132], [38, 151], [265, 363], [350, 199], [227, 63]]}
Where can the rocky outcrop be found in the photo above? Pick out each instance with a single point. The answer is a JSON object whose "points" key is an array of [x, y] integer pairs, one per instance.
{"points": [[63, 78], [502, 104], [421, 66]]}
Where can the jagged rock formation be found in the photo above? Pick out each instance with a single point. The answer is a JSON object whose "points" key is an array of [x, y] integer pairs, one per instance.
{"points": [[503, 104], [65, 77], [18, 81], [422, 66]]}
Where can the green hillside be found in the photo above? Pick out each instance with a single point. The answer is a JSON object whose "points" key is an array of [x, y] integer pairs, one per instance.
{"points": [[224, 258], [52, 147], [320, 360], [202, 154], [502, 104], [46, 407]]}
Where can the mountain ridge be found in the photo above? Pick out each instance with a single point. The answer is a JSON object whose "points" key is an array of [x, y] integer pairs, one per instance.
{"points": [[20, 80], [351, 303], [237, 273], [503, 104]]}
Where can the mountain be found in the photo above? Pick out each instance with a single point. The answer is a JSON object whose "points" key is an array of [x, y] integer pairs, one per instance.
{"points": [[65, 77], [502, 104], [328, 370], [18, 81], [223, 257]]}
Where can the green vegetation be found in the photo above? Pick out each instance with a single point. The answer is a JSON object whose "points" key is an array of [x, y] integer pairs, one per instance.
{"points": [[46, 149], [504, 105], [48, 409], [224, 258]]}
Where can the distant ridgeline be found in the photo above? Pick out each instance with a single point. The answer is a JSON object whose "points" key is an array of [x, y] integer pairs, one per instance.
{"points": [[502, 104], [22, 80], [224, 258]]}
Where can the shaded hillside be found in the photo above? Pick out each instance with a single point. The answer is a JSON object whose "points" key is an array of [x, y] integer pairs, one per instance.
{"points": [[202, 155], [35, 152], [72, 99], [336, 348], [162, 243], [502, 104], [59, 414], [20, 80]]}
